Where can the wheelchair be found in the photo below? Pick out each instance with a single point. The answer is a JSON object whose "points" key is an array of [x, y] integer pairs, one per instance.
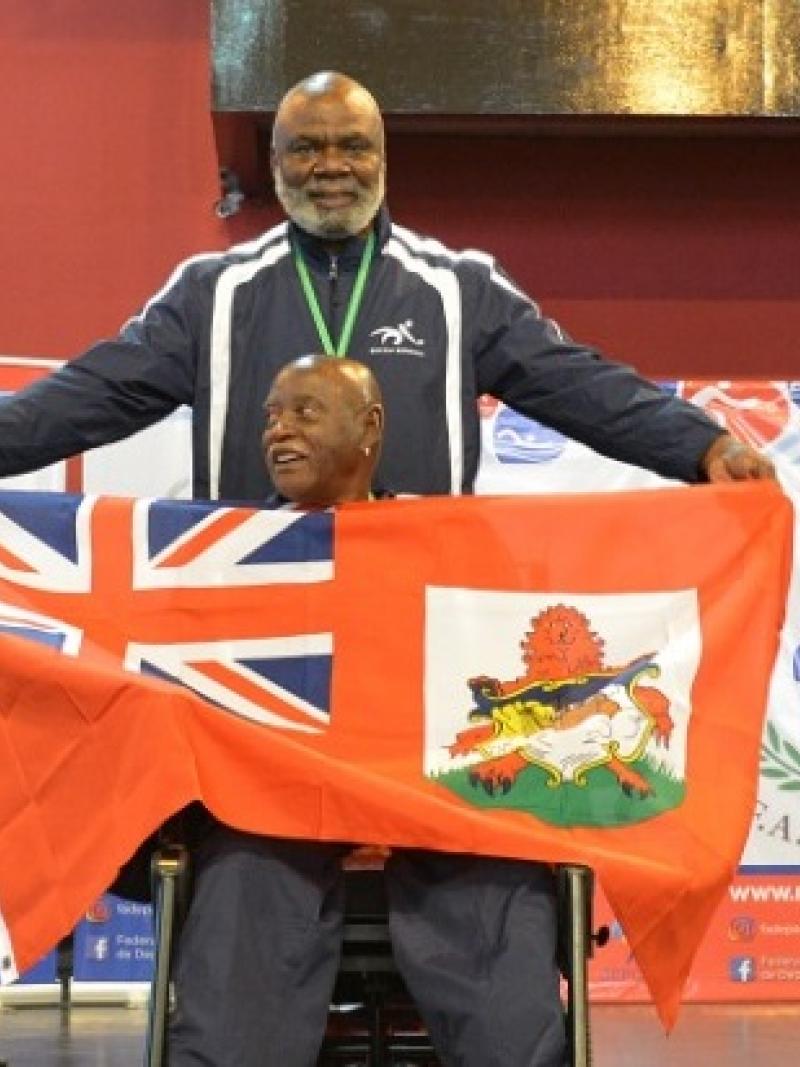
{"points": [[373, 1022]]}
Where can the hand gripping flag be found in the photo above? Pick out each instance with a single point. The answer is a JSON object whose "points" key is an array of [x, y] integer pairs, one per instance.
{"points": [[569, 678]]}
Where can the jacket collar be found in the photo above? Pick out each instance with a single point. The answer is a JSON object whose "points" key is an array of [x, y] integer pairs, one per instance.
{"points": [[349, 256]]}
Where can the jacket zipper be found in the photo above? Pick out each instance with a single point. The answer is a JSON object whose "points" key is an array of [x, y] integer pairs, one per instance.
{"points": [[333, 295]]}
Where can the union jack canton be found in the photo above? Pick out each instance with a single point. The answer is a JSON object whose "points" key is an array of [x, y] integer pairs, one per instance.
{"points": [[232, 603]]}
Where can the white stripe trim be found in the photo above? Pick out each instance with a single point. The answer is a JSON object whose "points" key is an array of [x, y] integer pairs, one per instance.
{"points": [[220, 354], [430, 246], [257, 243], [445, 282], [170, 283], [245, 248]]}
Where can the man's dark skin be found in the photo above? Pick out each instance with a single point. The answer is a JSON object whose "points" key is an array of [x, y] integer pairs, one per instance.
{"points": [[328, 156], [324, 424]]}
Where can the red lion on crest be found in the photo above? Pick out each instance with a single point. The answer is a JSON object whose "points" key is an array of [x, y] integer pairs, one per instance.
{"points": [[560, 645]]}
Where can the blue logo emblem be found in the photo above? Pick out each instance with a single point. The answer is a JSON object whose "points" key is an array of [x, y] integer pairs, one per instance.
{"points": [[518, 439], [742, 969]]}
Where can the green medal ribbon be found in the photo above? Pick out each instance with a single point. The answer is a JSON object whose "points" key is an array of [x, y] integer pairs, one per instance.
{"points": [[353, 305]]}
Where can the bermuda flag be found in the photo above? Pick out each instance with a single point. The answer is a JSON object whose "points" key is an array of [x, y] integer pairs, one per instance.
{"points": [[566, 678]]}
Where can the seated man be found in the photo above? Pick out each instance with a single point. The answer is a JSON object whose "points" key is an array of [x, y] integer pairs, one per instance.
{"points": [[473, 937]]}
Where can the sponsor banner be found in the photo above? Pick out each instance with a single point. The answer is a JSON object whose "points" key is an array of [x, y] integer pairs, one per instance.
{"points": [[751, 951], [767, 415], [114, 942], [155, 462], [520, 456]]}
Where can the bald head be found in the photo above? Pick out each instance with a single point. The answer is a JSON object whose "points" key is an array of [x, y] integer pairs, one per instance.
{"points": [[328, 158], [324, 426], [325, 85]]}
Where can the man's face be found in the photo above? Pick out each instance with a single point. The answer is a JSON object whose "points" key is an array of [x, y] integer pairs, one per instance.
{"points": [[328, 161], [313, 438]]}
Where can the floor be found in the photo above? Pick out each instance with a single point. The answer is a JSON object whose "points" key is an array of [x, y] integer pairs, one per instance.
{"points": [[629, 1036]]}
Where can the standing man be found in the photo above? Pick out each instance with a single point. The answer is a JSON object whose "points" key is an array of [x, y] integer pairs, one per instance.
{"points": [[438, 328]]}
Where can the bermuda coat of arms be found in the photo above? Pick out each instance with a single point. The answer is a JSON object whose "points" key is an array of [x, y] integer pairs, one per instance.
{"points": [[574, 738]]}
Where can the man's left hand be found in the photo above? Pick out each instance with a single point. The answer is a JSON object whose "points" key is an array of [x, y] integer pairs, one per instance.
{"points": [[729, 460]]}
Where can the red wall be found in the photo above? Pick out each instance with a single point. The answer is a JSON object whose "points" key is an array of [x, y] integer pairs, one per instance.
{"points": [[109, 167], [676, 253]]}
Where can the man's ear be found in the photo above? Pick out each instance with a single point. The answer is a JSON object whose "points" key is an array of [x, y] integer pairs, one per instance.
{"points": [[373, 426]]}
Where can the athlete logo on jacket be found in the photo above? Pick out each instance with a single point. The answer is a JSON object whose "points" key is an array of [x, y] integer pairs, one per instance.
{"points": [[397, 339]]}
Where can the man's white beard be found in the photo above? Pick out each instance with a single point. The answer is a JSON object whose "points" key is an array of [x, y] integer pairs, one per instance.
{"points": [[336, 225]]}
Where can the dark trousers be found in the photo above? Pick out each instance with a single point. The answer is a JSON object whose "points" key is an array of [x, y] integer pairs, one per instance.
{"points": [[257, 959]]}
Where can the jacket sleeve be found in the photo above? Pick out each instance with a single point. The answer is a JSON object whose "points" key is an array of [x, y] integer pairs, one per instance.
{"points": [[111, 391], [527, 361]]}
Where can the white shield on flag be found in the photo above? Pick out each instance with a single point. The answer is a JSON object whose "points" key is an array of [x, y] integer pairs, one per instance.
{"points": [[573, 707]]}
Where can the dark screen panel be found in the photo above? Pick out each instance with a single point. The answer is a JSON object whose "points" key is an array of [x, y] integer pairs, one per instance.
{"points": [[518, 57]]}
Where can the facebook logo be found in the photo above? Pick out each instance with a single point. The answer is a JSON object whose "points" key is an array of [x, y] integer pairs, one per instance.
{"points": [[97, 947], [742, 969]]}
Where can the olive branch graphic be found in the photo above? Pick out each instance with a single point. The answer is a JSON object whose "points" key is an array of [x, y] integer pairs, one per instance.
{"points": [[780, 760]]}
